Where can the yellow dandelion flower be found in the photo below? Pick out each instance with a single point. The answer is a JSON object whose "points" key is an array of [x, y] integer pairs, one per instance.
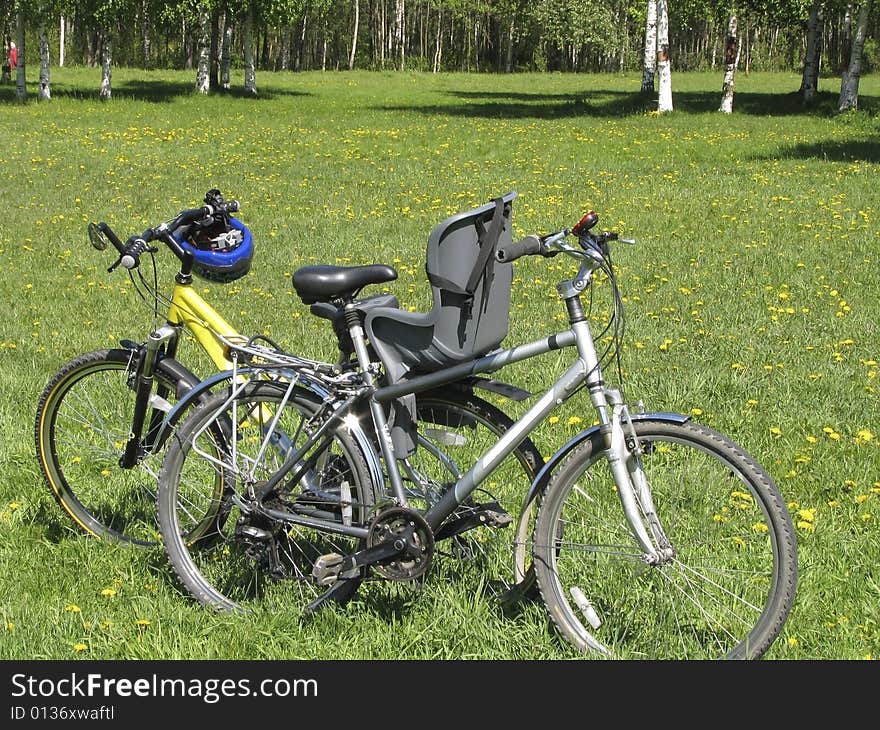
{"points": [[803, 525], [10, 626], [812, 439], [776, 431], [759, 527], [866, 516], [809, 515], [574, 421], [697, 411], [143, 622], [14, 506], [72, 608], [792, 641], [80, 647], [553, 419], [109, 592], [862, 437]]}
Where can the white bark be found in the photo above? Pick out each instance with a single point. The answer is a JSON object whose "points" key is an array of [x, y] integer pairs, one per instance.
{"points": [[61, 42], [225, 53], [731, 59], [45, 92], [106, 67], [203, 69], [664, 66], [649, 67], [438, 47], [250, 77], [849, 83], [400, 30], [354, 35], [20, 75], [810, 80]]}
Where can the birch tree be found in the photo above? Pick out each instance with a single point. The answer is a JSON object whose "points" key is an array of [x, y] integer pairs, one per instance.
{"points": [[226, 52], [849, 83], [106, 66], [354, 34], [664, 65], [20, 75], [731, 59], [250, 76], [649, 66], [45, 92], [203, 69], [810, 78]]}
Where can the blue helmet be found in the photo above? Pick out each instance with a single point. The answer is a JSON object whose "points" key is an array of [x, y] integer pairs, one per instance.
{"points": [[222, 251]]}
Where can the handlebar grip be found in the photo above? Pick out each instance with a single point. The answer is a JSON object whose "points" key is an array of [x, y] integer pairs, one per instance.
{"points": [[528, 246]]}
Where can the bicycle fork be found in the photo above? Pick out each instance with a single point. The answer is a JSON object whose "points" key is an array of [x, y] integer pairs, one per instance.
{"points": [[623, 452], [144, 376]]}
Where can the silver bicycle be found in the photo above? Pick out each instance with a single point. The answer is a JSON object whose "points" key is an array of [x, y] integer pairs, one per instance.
{"points": [[648, 535]]}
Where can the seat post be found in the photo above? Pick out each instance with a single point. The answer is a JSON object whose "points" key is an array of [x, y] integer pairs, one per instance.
{"points": [[380, 422]]}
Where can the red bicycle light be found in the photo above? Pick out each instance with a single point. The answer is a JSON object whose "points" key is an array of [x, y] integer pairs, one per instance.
{"points": [[585, 223]]}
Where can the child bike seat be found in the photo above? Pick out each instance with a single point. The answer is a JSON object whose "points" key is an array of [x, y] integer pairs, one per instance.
{"points": [[471, 297]]}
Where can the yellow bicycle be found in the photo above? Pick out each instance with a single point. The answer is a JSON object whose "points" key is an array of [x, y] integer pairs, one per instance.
{"points": [[104, 417]]}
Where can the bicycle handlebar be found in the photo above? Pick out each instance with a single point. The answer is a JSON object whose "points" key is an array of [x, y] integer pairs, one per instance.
{"points": [[131, 251], [593, 245]]}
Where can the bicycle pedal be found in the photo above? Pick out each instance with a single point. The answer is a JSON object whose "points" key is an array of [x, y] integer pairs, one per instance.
{"points": [[494, 515], [326, 569]]}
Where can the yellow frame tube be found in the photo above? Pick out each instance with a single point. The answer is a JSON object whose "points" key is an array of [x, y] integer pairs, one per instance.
{"points": [[189, 310]]}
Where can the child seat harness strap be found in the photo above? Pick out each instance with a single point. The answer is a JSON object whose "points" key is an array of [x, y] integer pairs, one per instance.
{"points": [[487, 241]]}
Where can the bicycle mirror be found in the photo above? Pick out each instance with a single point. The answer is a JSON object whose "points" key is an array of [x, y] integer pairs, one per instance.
{"points": [[96, 237]]}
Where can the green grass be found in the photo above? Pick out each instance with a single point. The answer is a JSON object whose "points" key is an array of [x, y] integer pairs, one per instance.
{"points": [[752, 302]]}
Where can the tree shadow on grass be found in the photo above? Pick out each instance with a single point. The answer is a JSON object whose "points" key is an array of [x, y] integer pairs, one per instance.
{"points": [[148, 90], [615, 103], [832, 150]]}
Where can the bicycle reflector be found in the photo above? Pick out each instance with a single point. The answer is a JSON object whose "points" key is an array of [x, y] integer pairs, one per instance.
{"points": [[585, 223]]}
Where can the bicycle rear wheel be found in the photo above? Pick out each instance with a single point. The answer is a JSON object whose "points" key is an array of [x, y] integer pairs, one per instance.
{"points": [[252, 558], [83, 422], [455, 429], [728, 589]]}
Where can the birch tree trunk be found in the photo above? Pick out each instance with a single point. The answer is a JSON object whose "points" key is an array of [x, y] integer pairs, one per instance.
{"points": [[354, 35], [203, 69], [649, 67], [20, 75], [400, 31], [250, 78], [106, 67], [664, 66], [225, 53], [438, 44], [45, 92], [508, 59], [849, 83], [61, 42], [810, 80], [146, 43], [731, 59]]}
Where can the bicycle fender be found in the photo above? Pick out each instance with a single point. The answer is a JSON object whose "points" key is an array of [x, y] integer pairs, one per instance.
{"points": [[493, 386], [543, 476], [185, 378]]}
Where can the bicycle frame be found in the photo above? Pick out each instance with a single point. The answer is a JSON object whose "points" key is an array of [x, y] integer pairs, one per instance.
{"points": [[615, 424]]}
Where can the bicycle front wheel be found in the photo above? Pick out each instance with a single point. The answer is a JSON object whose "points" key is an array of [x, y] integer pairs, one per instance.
{"points": [[254, 557], [728, 589], [83, 422]]}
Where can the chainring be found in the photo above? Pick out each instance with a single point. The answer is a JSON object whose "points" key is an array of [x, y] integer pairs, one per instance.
{"points": [[416, 539]]}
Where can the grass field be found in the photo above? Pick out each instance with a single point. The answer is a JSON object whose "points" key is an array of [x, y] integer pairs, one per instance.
{"points": [[752, 303]]}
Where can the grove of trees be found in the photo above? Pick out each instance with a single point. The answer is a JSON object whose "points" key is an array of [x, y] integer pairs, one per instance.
{"points": [[216, 38]]}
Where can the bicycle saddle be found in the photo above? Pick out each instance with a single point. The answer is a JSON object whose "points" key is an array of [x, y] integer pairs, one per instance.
{"points": [[323, 283]]}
